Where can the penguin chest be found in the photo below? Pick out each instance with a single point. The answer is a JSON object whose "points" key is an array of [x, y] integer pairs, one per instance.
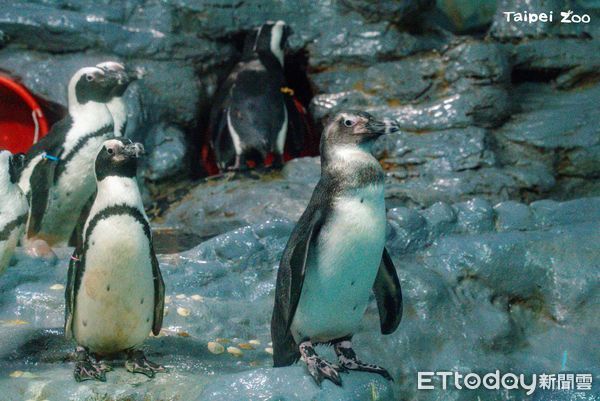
{"points": [[75, 186], [341, 272], [115, 301], [12, 221]]}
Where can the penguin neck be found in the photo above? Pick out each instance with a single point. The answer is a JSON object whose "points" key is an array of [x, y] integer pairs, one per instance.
{"points": [[352, 166], [117, 190], [118, 110], [91, 114]]}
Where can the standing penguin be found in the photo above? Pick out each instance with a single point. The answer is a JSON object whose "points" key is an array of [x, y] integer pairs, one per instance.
{"points": [[336, 256], [116, 105], [115, 291], [13, 206], [250, 115], [58, 176]]}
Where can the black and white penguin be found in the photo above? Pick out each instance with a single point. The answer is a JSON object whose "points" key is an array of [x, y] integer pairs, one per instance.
{"points": [[117, 105], [115, 291], [336, 257], [59, 172], [250, 115], [13, 206]]}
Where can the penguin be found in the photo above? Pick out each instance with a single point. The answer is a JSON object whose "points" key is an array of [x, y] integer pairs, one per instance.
{"points": [[115, 292], [13, 206], [117, 106], [251, 113], [58, 175], [336, 258]]}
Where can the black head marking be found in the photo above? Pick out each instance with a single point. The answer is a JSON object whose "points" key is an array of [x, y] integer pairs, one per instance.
{"points": [[94, 85], [355, 128], [267, 41], [123, 74], [118, 157]]}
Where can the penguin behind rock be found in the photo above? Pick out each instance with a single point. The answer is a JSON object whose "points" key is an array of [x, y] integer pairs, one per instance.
{"points": [[250, 115], [13, 206], [336, 257], [117, 106], [58, 176], [115, 292]]}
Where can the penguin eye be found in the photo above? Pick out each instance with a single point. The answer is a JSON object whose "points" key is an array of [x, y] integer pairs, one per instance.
{"points": [[349, 123], [89, 77], [110, 151]]}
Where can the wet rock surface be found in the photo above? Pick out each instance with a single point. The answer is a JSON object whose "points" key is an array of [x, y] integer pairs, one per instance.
{"points": [[484, 289]]}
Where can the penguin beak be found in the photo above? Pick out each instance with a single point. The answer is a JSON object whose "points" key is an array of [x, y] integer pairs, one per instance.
{"points": [[386, 126], [134, 150]]}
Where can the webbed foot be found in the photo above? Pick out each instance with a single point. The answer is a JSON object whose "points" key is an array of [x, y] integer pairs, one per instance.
{"points": [[88, 369], [137, 363], [318, 367], [348, 360]]}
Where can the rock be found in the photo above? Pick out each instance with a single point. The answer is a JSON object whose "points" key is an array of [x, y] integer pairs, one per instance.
{"points": [[466, 15], [168, 153], [294, 383], [513, 216], [221, 204], [474, 216]]}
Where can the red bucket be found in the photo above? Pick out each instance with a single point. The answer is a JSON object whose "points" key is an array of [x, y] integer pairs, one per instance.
{"points": [[22, 122]]}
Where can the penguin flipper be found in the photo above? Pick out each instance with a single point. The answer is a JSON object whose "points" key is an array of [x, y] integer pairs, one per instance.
{"points": [[388, 295], [71, 292], [290, 279], [41, 180], [159, 295]]}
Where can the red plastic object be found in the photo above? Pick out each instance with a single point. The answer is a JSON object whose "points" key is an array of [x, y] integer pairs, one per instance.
{"points": [[22, 122]]}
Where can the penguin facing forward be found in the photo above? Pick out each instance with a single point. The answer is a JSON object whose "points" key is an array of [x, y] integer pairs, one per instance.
{"points": [[115, 291], [117, 106], [250, 115], [58, 176], [13, 206], [336, 257]]}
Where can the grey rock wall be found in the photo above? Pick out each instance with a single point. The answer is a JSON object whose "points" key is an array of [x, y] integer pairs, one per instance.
{"points": [[442, 81]]}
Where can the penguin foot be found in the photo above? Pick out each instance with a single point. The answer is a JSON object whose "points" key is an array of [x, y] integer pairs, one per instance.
{"points": [[88, 369], [137, 363], [318, 367], [38, 248], [348, 360]]}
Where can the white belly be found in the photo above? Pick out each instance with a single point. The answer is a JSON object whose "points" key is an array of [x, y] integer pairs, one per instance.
{"points": [[341, 273], [7, 248], [115, 302], [70, 194]]}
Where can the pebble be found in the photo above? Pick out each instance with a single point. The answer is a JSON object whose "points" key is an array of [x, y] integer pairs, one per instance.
{"points": [[235, 351], [254, 342], [168, 299], [180, 296], [246, 346], [183, 311], [222, 340], [57, 287], [269, 350], [215, 347], [197, 297]]}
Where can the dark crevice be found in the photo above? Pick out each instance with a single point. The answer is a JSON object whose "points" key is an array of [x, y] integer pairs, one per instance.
{"points": [[546, 75]]}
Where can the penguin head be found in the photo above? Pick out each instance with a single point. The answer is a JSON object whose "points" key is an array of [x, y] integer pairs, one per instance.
{"points": [[92, 84], [11, 165], [268, 40], [118, 157], [355, 128], [124, 75]]}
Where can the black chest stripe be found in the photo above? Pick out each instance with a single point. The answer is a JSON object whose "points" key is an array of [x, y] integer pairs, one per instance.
{"points": [[116, 210], [107, 129], [5, 233]]}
